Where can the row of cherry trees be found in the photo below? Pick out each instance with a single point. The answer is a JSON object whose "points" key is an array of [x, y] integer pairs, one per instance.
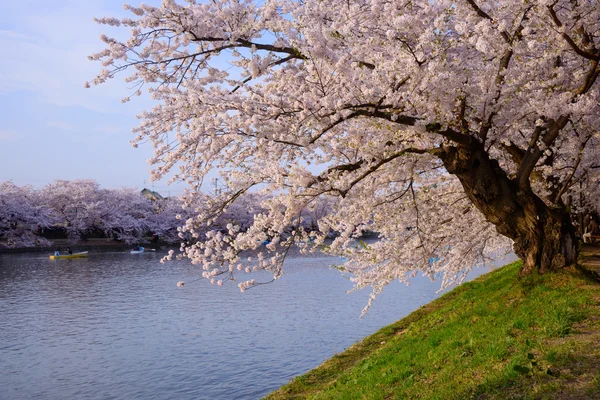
{"points": [[80, 207]]}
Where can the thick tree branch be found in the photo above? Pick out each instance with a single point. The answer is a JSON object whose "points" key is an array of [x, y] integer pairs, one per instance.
{"points": [[485, 15], [589, 79], [552, 130], [347, 168], [568, 39]]}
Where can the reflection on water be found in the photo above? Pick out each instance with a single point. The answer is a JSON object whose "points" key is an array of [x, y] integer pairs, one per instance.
{"points": [[116, 326]]}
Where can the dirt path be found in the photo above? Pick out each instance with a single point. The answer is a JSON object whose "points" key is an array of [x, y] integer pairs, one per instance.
{"points": [[589, 260]]}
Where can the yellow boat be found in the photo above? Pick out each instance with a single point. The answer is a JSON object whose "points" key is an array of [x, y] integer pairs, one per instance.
{"points": [[74, 255]]}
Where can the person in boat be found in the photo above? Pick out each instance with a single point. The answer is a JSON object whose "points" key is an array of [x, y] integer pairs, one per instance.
{"points": [[138, 248], [56, 253], [69, 250]]}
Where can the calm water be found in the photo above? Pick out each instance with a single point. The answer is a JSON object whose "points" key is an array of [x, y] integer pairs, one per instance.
{"points": [[116, 326]]}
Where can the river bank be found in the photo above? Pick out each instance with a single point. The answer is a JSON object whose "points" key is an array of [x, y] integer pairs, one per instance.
{"points": [[497, 337], [87, 245]]}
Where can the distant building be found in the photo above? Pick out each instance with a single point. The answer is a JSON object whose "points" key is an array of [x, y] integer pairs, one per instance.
{"points": [[151, 195]]}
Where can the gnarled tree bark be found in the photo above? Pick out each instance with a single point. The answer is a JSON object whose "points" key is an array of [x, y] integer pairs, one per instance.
{"points": [[543, 236]]}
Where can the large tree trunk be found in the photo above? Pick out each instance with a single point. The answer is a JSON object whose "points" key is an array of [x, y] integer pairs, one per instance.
{"points": [[543, 236]]}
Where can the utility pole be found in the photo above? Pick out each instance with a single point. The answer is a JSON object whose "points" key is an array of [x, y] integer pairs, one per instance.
{"points": [[216, 189]]}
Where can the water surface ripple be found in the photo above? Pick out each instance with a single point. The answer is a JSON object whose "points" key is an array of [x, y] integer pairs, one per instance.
{"points": [[116, 326]]}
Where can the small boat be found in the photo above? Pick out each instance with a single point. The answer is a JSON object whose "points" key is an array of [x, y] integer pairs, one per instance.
{"points": [[143, 250], [74, 255]]}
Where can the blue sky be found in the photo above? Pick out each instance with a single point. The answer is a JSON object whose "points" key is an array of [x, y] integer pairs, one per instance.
{"points": [[51, 127]]}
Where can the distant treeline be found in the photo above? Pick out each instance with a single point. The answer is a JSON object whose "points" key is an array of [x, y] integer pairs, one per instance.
{"points": [[81, 209]]}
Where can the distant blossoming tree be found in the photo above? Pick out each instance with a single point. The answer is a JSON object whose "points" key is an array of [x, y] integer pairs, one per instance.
{"points": [[124, 214], [242, 212], [23, 216], [76, 205], [81, 207], [166, 218], [453, 128]]}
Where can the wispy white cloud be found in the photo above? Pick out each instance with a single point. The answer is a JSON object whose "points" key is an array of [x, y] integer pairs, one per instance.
{"points": [[62, 125], [47, 54], [112, 129], [8, 136], [105, 129], [43, 68]]}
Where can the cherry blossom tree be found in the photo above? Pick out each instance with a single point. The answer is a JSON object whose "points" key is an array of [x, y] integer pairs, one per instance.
{"points": [[123, 214], [241, 213], [452, 128], [81, 207], [75, 204], [165, 218], [22, 216], [316, 211]]}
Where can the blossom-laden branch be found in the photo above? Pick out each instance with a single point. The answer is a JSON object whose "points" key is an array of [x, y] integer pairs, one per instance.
{"points": [[387, 111]]}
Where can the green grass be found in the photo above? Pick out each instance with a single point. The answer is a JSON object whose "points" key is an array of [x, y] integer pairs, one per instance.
{"points": [[496, 337]]}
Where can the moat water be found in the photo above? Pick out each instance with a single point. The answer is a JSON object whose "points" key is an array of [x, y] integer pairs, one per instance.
{"points": [[116, 326]]}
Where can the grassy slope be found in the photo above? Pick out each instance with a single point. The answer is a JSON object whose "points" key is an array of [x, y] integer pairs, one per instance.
{"points": [[497, 337]]}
